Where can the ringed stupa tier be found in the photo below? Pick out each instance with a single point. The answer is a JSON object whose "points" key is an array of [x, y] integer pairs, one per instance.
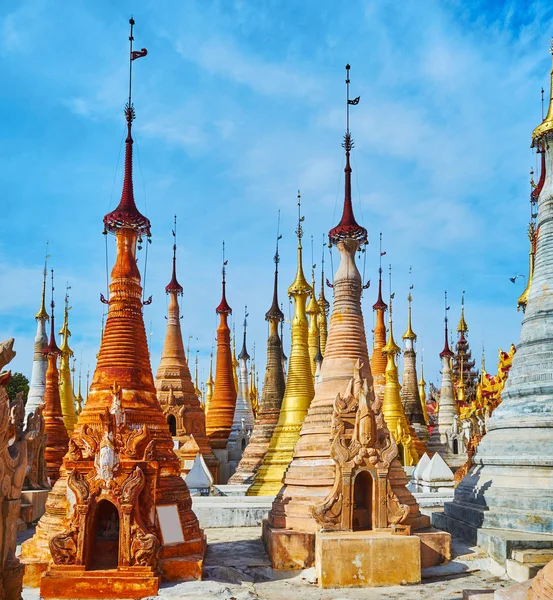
{"points": [[271, 396], [378, 358], [123, 516], [289, 532], [223, 402], [67, 395], [510, 487], [57, 439], [410, 395], [314, 311], [410, 448], [243, 422], [175, 390], [37, 386], [299, 388], [324, 306]]}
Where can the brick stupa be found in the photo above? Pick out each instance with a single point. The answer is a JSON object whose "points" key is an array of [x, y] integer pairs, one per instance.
{"points": [[57, 439], [223, 402], [175, 390], [271, 397], [120, 516], [289, 532]]}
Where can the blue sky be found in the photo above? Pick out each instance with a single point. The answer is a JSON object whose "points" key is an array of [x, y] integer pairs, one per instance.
{"points": [[238, 105]]}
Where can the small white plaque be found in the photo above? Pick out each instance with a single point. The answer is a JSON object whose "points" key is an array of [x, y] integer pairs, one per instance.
{"points": [[176, 446], [169, 522]]}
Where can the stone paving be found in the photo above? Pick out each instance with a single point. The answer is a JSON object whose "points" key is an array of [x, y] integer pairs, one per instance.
{"points": [[238, 568]]}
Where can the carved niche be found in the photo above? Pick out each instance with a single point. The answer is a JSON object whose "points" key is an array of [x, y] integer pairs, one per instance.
{"points": [[105, 470], [363, 450]]}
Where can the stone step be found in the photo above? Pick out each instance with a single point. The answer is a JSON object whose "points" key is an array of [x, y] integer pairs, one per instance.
{"points": [[521, 571], [478, 594], [534, 555]]}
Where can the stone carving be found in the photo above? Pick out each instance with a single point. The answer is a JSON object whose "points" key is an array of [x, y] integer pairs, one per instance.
{"points": [[36, 477], [144, 547], [360, 443], [13, 467]]}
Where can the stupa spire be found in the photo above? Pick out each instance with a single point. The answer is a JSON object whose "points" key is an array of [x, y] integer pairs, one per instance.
{"points": [[378, 358], [176, 392], [269, 405], [324, 305], [121, 439], [209, 384], [410, 394], [38, 374], [422, 392], [56, 433], [243, 421], [313, 310], [223, 402], [446, 351], [234, 359], [310, 477], [546, 125], [299, 387], [67, 395]]}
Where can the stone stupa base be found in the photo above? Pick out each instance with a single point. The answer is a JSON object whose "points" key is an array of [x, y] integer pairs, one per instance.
{"points": [[366, 559], [294, 550]]}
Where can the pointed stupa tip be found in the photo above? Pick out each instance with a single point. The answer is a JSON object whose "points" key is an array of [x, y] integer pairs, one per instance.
{"points": [[244, 352], [546, 125], [52, 347], [274, 313], [446, 351], [462, 327], [313, 307], [127, 215], [409, 334], [380, 304], [64, 331], [322, 301], [224, 307], [391, 347], [300, 285], [348, 228], [42, 314], [174, 285]]}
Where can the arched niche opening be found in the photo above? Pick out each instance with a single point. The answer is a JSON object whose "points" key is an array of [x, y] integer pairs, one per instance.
{"points": [[172, 422], [362, 501], [104, 551]]}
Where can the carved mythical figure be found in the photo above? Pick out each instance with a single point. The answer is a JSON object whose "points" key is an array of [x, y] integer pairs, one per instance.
{"points": [[37, 475], [13, 465], [144, 547]]}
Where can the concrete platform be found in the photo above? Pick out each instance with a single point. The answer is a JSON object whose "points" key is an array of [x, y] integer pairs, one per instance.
{"points": [[231, 511]]}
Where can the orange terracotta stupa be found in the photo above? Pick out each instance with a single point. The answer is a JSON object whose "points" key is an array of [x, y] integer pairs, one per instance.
{"points": [[289, 532], [223, 403], [378, 358], [175, 390], [122, 517], [57, 439]]}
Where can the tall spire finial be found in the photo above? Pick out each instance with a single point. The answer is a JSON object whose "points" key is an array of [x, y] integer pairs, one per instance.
{"points": [[274, 312], [446, 351], [42, 314], [462, 328], [546, 125], [409, 334], [244, 352], [380, 304], [348, 228], [127, 215], [223, 307], [52, 347], [174, 285], [391, 347], [300, 285]]}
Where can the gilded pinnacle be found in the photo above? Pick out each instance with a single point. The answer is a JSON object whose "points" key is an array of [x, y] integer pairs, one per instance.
{"points": [[547, 124], [409, 334]]}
